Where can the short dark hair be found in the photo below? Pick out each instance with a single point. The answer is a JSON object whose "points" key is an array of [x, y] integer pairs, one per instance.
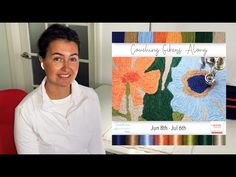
{"points": [[54, 32]]}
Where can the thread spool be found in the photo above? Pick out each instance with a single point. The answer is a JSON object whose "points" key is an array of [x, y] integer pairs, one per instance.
{"points": [[161, 139], [205, 140], [190, 139], [219, 140], [175, 140], [118, 139], [146, 139], [132, 140]]}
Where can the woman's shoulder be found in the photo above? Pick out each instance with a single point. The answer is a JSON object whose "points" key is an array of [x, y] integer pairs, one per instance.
{"points": [[88, 92], [29, 99]]}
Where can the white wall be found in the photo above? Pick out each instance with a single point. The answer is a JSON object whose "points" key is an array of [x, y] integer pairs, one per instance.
{"points": [[229, 28], [104, 40], [5, 76]]}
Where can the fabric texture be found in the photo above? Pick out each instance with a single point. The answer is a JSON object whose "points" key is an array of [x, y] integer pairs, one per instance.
{"points": [[197, 106], [9, 99]]}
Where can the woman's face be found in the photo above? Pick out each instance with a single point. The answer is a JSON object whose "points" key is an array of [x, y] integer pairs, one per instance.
{"points": [[61, 63]]}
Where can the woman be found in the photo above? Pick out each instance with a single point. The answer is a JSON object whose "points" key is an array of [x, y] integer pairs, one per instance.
{"points": [[60, 116]]}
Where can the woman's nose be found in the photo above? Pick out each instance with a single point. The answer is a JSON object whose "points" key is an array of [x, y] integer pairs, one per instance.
{"points": [[65, 65]]}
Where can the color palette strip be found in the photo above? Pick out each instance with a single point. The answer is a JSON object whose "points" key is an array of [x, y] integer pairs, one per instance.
{"points": [[146, 140], [168, 37]]}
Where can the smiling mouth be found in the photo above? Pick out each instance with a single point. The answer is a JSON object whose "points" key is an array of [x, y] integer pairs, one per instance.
{"points": [[64, 75]]}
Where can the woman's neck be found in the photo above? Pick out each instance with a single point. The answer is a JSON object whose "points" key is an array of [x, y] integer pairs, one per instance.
{"points": [[56, 93]]}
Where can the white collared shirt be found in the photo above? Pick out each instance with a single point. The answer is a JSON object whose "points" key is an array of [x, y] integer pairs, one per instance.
{"points": [[40, 129], [62, 106]]}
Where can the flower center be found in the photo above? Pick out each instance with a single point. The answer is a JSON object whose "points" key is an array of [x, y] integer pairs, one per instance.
{"points": [[197, 83], [130, 77]]}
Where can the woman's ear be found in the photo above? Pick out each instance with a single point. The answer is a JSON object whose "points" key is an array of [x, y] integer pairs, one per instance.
{"points": [[41, 62]]}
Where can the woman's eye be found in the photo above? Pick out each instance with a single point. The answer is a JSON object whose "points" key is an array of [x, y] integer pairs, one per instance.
{"points": [[57, 59], [73, 59]]}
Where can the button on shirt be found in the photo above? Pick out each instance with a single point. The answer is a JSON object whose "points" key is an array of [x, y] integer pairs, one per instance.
{"points": [[69, 125]]}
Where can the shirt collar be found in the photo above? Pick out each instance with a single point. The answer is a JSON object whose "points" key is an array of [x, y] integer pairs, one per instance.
{"points": [[77, 95]]}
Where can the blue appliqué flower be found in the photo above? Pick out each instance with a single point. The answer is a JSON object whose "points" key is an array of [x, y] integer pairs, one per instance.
{"points": [[192, 96]]}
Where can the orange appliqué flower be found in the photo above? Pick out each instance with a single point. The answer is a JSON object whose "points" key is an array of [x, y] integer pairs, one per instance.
{"points": [[131, 70]]}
